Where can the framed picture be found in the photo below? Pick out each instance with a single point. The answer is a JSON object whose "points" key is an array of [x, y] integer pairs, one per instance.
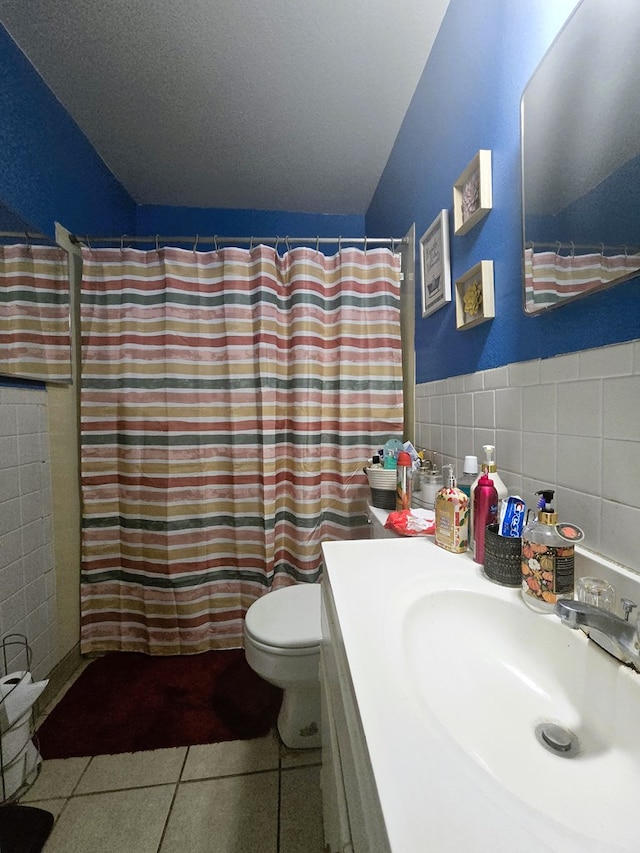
{"points": [[472, 196], [434, 264], [474, 296]]}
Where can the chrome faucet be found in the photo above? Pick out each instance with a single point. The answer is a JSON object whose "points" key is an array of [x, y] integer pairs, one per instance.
{"points": [[615, 635]]}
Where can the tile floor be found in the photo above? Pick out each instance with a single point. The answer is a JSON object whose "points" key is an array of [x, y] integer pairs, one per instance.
{"points": [[252, 796]]}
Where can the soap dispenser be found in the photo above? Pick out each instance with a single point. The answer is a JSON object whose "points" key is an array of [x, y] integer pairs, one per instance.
{"points": [[452, 516], [547, 562]]}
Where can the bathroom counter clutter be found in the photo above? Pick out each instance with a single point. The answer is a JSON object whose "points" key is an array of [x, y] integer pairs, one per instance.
{"points": [[457, 693]]}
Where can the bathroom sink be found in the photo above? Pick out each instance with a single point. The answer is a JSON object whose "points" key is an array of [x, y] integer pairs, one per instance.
{"points": [[552, 718]]}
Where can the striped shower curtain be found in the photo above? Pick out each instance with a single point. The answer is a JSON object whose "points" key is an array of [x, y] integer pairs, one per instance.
{"points": [[550, 277], [229, 402], [34, 312]]}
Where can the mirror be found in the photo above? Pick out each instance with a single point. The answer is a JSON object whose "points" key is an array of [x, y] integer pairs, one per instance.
{"points": [[35, 339], [580, 150]]}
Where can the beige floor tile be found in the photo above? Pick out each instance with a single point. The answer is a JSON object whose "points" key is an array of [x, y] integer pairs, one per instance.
{"points": [[123, 821], [238, 814], [58, 778], [227, 759], [132, 770], [301, 811], [299, 757]]}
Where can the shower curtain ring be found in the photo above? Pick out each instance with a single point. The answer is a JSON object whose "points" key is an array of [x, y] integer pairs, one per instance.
{"points": [[157, 242], [251, 243], [573, 249], [317, 244], [340, 245], [27, 239], [365, 245], [86, 240], [287, 244], [122, 239], [195, 244], [215, 242]]}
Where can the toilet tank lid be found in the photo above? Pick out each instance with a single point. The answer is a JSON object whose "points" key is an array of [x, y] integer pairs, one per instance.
{"points": [[288, 617]]}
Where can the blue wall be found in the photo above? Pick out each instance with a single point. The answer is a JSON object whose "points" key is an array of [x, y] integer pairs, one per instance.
{"points": [[469, 98], [48, 169], [184, 221]]}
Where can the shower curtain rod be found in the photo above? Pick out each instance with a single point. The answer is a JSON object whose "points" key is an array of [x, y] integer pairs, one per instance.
{"points": [[558, 246], [27, 235], [215, 239]]}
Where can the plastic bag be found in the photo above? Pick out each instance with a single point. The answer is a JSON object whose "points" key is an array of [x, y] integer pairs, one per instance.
{"points": [[412, 522]]}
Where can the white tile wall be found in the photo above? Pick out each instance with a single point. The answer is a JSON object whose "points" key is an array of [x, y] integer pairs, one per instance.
{"points": [[571, 423], [27, 577]]}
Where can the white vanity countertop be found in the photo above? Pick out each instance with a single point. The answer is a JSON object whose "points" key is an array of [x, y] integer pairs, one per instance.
{"points": [[433, 796]]}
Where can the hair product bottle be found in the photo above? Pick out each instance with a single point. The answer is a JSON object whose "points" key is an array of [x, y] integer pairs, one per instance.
{"points": [[547, 563], [485, 511], [488, 467], [452, 516]]}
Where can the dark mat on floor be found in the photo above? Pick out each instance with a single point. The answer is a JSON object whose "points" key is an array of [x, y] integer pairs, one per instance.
{"points": [[129, 702]]}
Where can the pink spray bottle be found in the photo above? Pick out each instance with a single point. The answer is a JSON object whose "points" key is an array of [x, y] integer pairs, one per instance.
{"points": [[485, 511]]}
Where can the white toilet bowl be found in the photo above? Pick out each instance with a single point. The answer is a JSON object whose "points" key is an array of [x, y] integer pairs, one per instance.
{"points": [[282, 644]]}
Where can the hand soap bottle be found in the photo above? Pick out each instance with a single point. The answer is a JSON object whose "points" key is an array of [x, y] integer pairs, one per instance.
{"points": [[452, 516], [547, 562]]}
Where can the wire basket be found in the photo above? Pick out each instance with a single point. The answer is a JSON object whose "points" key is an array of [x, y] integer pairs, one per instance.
{"points": [[20, 760]]}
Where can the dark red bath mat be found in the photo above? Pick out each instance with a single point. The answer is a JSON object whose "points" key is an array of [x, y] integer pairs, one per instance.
{"points": [[129, 702]]}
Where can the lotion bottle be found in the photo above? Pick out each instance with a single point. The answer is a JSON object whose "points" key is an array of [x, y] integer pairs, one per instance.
{"points": [[547, 562], [452, 516]]}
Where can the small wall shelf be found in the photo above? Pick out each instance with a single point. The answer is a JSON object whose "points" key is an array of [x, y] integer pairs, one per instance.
{"points": [[472, 194], [474, 296]]}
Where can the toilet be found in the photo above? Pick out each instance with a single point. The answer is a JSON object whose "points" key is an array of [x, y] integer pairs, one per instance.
{"points": [[282, 636]]}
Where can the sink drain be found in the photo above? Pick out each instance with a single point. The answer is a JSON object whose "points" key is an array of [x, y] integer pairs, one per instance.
{"points": [[558, 740]]}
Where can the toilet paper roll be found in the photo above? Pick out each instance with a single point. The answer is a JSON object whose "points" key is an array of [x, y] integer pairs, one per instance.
{"points": [[18, 693], [21, 773], [14, 741]]}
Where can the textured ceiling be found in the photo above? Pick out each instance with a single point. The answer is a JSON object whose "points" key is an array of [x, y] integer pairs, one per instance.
{"points": [[265, 104]]}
